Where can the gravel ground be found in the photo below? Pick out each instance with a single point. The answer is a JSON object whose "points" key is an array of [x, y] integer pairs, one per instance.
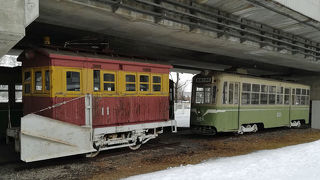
{"points": [[169, 150]]}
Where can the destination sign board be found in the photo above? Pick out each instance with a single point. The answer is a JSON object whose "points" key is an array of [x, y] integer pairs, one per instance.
{"points": [[204, 80]]}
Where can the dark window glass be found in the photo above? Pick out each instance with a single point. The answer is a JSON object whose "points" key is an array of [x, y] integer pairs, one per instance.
{"points": [[272, 89], [298, 91], [156, 87], [27, 76], [47, 80], [246, 87], [236, 93], [109, 87], [245, 98], [96, 80], [27, 88], [18, 93], [304, 92], [255, 88], [156, 79], [225, 93], [4, 93], [130, 78], [230, 93], [110, 77], [272, 98], [144, 87], [264, 99], [255, 98], [130, 87], [144, 78], [264, 88], [38, 80], [73, 81]]}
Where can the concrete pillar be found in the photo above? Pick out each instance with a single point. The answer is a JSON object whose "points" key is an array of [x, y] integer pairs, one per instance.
{"points": [[15, 16]]}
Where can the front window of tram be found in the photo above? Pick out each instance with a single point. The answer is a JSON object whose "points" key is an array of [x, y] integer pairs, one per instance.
{"points": [[205, 94]]}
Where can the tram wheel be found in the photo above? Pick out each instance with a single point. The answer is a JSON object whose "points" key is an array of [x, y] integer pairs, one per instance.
{"points": [[135, 147]]}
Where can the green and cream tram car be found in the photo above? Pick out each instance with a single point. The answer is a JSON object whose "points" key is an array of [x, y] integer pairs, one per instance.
{"points": [[223, 102]]}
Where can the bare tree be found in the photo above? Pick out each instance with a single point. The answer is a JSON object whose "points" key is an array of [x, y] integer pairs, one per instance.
{"points": [[179, 87]]}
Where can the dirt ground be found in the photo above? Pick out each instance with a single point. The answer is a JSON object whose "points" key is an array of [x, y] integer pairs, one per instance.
{"points": [[169, 150]]}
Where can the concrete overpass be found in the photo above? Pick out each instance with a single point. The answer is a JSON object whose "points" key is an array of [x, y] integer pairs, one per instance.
{"points": [[263, 31]]}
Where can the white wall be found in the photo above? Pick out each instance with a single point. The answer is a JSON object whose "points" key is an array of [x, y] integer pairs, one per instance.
{"points": [[310, 8]]}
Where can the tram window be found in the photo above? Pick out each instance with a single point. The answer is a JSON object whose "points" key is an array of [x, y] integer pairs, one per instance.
{"points": [[130, 82], [308, 92], [47, 80], [18, 93], [199, 95], [96, 80], [293, 96], [4, 93], [255, 88], [279, 95], [246, 87], [287, 96], [109, 82], [255, 94], [246, 91], [207, 93], [156, 83], [264, 98], [144, 83], [38, 80], [272, 94], [264, 94], [27, 76], [214, 91], [27, 80], [73, 81], [225, 93], [304, 92], [236, 93], [230, 93], [298, 96]]}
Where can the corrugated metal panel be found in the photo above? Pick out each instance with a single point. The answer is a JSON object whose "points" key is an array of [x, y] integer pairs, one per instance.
{"points": [[310, 8]]}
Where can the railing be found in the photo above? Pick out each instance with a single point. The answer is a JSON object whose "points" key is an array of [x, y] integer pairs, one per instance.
{"points": [[199, 16]]}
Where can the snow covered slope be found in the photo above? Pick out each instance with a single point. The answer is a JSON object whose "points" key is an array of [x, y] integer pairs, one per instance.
{"points": [[292, 162]]}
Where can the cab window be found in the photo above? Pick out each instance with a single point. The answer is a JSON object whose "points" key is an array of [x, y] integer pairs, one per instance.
{"points": [[47, 80], [38, 80], [27, 82], [73, 81], [96, 80]]}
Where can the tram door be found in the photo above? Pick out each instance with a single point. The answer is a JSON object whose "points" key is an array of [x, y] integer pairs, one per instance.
{"points": [[234, 100]]}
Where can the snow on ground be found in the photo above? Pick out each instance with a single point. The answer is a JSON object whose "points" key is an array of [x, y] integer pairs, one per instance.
{"points": [[292, 162], [182, 116]]}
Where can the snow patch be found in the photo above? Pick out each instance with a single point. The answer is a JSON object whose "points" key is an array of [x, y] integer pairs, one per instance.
{"points": [[292, 162]]}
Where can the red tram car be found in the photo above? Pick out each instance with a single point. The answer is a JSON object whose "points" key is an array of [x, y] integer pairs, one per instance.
{"points": [[78, 103]]}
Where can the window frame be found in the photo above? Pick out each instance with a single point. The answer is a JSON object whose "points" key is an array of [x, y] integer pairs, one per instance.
{"points": [[152, 83], [44, 80], [125, 83], [65, 80], [102, 72], [35, 70], [148, 83], [30, 82]]}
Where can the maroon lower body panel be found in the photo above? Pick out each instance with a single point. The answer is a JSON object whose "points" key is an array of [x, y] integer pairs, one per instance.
{"points": [[107, 111]]}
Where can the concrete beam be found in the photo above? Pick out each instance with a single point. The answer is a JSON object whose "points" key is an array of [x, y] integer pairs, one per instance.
{"points": [[15, 15]]}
